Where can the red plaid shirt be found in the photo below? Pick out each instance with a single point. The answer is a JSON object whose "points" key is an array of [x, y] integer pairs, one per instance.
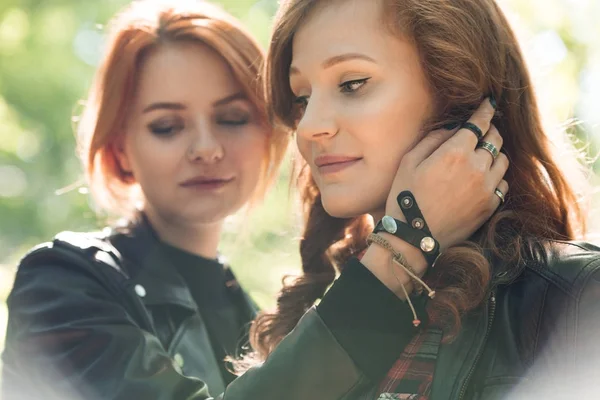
{"points": [[411, 376]]}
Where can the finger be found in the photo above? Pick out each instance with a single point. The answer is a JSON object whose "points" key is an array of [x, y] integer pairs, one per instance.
{"points": [[482, 119], [429, 144], [499, 167], [487, 150]]}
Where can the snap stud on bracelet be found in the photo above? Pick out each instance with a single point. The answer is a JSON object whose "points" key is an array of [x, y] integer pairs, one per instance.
{"points": [[407, 202], [389, 224], [418, 223], [427, 244]]}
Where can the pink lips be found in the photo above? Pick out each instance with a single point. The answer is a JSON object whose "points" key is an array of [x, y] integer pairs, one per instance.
{"points": [[206, 183], [329, 163]]}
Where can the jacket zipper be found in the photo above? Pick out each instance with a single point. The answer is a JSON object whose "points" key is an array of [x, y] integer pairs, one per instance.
{"points": [[492, 306]]}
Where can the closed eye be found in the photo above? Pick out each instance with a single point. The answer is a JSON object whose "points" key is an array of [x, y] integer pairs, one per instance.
{"points": [[301, 101], [166, 127], [299, 107], [233, 117], [234, 120], [239, 122]]}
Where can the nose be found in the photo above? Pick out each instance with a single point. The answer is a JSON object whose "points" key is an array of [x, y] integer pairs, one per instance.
{"points": [[205, 146], [318, 121]]}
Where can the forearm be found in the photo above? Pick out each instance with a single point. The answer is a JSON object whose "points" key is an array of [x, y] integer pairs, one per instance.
{"points": [[349, 342], [379, 261]]}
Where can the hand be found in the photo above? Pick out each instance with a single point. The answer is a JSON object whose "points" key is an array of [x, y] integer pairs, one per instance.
{"points": [[452, 181]]}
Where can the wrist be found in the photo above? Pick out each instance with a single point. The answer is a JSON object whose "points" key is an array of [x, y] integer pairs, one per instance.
{"points": [[413, 255], [379, 261], [405, 221]]}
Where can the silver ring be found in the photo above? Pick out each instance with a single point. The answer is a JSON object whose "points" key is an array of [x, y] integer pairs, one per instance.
{"points": [[493, 150], [500, 195]]}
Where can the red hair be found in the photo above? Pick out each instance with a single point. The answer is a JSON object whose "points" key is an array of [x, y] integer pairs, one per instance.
{"points": [[467, 51], [141, 26]]}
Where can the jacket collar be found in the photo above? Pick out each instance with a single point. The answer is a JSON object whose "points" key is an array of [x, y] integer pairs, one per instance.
{"points": [[152, 274]]}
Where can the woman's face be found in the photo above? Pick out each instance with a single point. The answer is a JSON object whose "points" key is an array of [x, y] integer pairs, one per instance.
{"points": [[365, 101], [193, 141]]}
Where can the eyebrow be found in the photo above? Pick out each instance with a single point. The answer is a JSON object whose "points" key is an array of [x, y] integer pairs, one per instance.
{"points": [[163, 106], [179, 106], [330, 62], [230, 98]]}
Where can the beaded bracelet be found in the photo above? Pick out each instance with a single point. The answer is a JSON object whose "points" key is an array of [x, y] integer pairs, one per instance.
{"points": [[399, 259]]}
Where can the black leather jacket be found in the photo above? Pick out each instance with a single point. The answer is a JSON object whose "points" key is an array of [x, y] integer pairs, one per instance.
{"points": [[100, 317], [83, 332], [537, 336]]}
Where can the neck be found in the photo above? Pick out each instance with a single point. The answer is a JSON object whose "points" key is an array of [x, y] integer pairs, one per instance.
{"points": [[197, 238], [377, 215]]}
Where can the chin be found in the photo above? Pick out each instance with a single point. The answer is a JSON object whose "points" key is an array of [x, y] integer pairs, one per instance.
{"points": [[352, 202], [207, 215], [341, 208]]}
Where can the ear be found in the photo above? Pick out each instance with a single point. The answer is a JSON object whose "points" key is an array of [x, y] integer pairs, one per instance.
{"points": [[121, 155]]}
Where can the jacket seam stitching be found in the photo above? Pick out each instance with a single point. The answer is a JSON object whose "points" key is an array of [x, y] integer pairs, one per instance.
{"points": [[551, 277], [568, 288], [539, 324], [592, 268]]}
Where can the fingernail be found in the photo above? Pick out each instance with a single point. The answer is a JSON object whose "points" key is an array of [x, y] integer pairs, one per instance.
{"points": [[451, 125], [493, 101]]}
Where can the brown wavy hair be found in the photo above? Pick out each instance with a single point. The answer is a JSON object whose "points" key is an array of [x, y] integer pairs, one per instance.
{"points": [[140, 27], [467, 51]]}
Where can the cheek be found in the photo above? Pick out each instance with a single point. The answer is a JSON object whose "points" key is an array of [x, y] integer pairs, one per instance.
{"points": [[389, 122], [249, 151], [152, 158]]}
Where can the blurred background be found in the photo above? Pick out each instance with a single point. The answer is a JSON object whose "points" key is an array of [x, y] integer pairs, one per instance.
{"points": [[48, 52]]}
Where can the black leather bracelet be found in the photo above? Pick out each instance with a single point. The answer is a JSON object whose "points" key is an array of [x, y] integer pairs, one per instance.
{"points": [[415, 232], [417, 238], [412, 212]]}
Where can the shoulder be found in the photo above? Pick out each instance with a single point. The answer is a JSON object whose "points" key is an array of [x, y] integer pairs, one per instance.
{"points": [[568, 265], [75, 246], [74, 270], [83, 256]]}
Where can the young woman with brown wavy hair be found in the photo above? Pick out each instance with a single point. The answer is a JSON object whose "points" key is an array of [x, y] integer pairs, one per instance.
{"points": [[174, 138], [361, 82]]}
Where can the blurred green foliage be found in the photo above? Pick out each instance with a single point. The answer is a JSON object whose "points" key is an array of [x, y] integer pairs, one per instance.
{"points": [[48, 51]]}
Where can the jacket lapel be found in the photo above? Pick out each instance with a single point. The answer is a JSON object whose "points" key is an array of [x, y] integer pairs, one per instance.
{"points": [[153, 276], [455, 359]]}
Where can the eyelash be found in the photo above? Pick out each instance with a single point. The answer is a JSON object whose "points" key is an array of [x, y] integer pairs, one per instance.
{"points": [[240, 121], [165, 129], [345, 87], [170, 128]]}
